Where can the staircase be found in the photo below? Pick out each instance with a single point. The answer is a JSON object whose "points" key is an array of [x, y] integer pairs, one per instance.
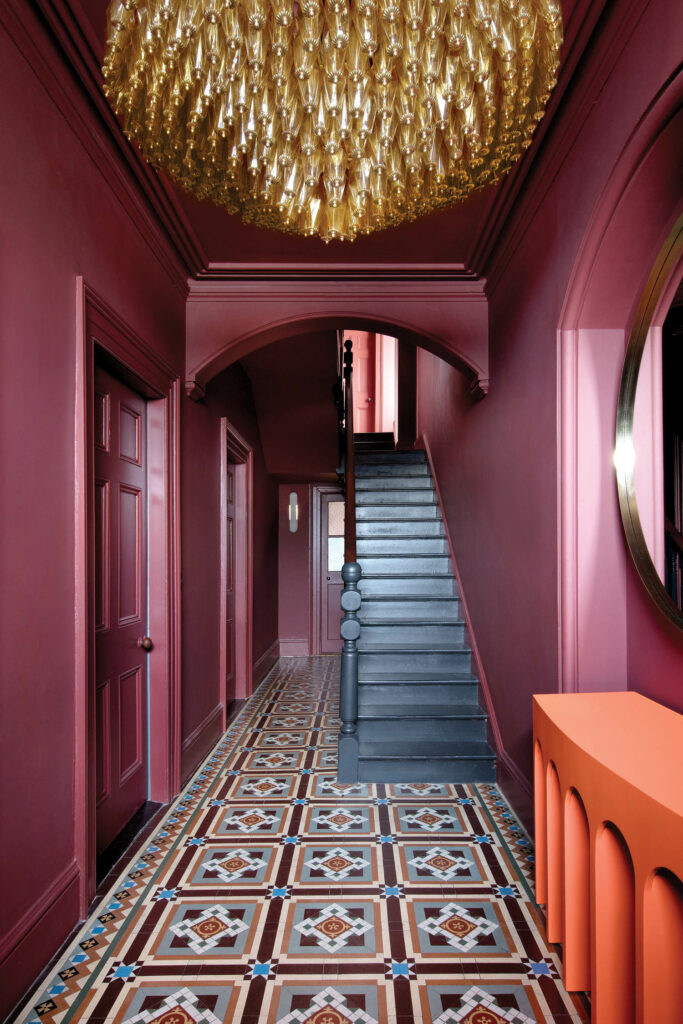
{"points": [[419, 718]]}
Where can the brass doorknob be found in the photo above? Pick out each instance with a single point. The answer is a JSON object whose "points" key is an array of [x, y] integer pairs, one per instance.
{"points": [[145, 642]]}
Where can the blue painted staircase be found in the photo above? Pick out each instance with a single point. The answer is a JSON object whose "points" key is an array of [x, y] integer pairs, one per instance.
{"points": [[419, 717]]}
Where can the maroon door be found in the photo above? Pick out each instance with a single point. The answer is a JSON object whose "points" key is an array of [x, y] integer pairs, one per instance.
{"points": [[120, 604], [230, 687], [331, 561], [364, 383]]}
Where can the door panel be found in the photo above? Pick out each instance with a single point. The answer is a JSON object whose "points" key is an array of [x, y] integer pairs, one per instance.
{"points": [[230, 689], [364, 383], [331, 561], [120, 571]]}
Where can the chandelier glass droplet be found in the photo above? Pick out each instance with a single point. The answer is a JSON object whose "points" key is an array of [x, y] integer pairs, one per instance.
{"points": [[332, 117]]}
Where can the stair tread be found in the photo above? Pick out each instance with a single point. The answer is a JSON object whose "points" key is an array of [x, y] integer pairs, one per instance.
{"points": [[408, 537], [426, 749], [373, 620], [408, 597], [382, 646], [416, 677], [380, 711]]}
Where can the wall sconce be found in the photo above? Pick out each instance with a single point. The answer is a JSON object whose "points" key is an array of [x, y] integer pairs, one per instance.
{"points": [[293, 512]]}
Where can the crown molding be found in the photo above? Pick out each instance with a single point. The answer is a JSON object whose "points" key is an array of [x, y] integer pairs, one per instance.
{"points": [[233, 272], [521, 194], [63, 55], [304, 283]]}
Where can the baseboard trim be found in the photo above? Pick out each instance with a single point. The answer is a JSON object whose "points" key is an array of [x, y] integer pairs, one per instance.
{"points": [[200, 740], [516, 788], [294, 648], [32, 941], [483, 682], [263, 665]]}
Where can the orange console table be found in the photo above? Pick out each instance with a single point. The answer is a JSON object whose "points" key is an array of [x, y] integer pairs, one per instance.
{"points": [[608, 771]]}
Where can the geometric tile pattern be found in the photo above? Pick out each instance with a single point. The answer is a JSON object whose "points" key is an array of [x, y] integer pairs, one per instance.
{"points": [[272, 894]]}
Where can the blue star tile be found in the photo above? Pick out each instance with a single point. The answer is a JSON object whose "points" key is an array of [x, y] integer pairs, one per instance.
{"points": [[290, 840], [386, 839], [391, 890], [260, 970], [482, 839], [124, 971], [278, 892], [299, 802], [195, 841], [400, 970], [165, 894]]}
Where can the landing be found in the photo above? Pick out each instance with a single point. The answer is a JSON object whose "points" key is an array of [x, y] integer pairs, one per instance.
{"points": [[271, 893]]}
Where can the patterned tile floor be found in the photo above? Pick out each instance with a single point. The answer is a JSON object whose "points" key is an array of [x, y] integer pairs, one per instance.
{"points": [[271, 893]]}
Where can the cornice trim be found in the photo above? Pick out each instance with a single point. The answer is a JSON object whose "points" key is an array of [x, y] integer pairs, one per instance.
{"points": [[511, 216], [63, 54], [216, 271], [302, 285]]}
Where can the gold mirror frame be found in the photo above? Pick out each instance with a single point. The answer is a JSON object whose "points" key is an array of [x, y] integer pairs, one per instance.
{"points": [[647, 307]]}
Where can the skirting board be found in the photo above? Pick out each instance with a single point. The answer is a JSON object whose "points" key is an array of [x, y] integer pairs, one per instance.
{"points": [[35, 937], [295, 648], [200, 740], [263, 665]]}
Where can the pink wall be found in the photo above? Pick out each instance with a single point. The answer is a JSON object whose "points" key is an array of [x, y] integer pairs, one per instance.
{"points": [[60, 219], [498, 461]]}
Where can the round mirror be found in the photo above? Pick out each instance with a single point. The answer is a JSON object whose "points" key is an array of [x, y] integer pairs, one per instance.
{"points": [[648, 454]]}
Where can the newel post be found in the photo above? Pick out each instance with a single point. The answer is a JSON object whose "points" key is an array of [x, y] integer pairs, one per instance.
{"points": [[348, 704]]}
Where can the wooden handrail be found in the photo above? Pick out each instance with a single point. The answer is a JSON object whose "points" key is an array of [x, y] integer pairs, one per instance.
{"points": [[673, 535], [349, 478]]}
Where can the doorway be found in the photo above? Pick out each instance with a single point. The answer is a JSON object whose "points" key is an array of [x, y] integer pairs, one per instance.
{"points": [[236, 600], [127, 739], [375, 383], [328, 559], [122, 643]]}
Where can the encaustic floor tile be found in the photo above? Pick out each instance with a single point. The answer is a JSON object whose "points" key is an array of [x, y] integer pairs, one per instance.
{"points": [[272, 894]]}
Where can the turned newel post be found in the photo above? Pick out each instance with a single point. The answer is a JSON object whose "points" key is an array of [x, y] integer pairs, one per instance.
{"points": [[348, 704]]}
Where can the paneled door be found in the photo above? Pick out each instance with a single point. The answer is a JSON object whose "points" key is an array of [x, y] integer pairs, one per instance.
{"points": [[331, 562], [120, 581], [230, 558], [364, 383]]}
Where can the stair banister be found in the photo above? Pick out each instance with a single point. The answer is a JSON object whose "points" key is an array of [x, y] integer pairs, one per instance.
{"points": [[350, 600]]}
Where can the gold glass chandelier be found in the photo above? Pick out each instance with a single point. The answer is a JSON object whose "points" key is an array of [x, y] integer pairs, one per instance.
{"points": [[332, 117]]}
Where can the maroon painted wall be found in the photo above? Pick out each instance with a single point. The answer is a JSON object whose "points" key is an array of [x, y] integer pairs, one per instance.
{"points": [[294, 579], [229, 395], [60, 219], [292, 384]]}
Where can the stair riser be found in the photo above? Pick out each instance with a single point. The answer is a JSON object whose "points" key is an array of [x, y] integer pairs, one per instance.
{"points": [[434, 586], [396, 458], [440, 633], [418, 469], [376, 496], [402, 546], [451, 662], [411, 528], [393, 483], [423, 729], [386, 608], [417, 770], [428, 510], [419, 565], [409, 694]]}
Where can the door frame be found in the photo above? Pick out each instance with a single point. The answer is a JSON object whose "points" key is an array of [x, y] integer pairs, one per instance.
{"points": [[119, 347], [235, 449], [316, 559]]}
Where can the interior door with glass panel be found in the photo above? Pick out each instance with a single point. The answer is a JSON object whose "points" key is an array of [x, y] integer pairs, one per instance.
{"points": [[331, 562]]}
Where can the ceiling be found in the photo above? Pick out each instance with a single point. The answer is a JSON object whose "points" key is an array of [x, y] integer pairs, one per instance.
{"points": [[445, 237]]}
